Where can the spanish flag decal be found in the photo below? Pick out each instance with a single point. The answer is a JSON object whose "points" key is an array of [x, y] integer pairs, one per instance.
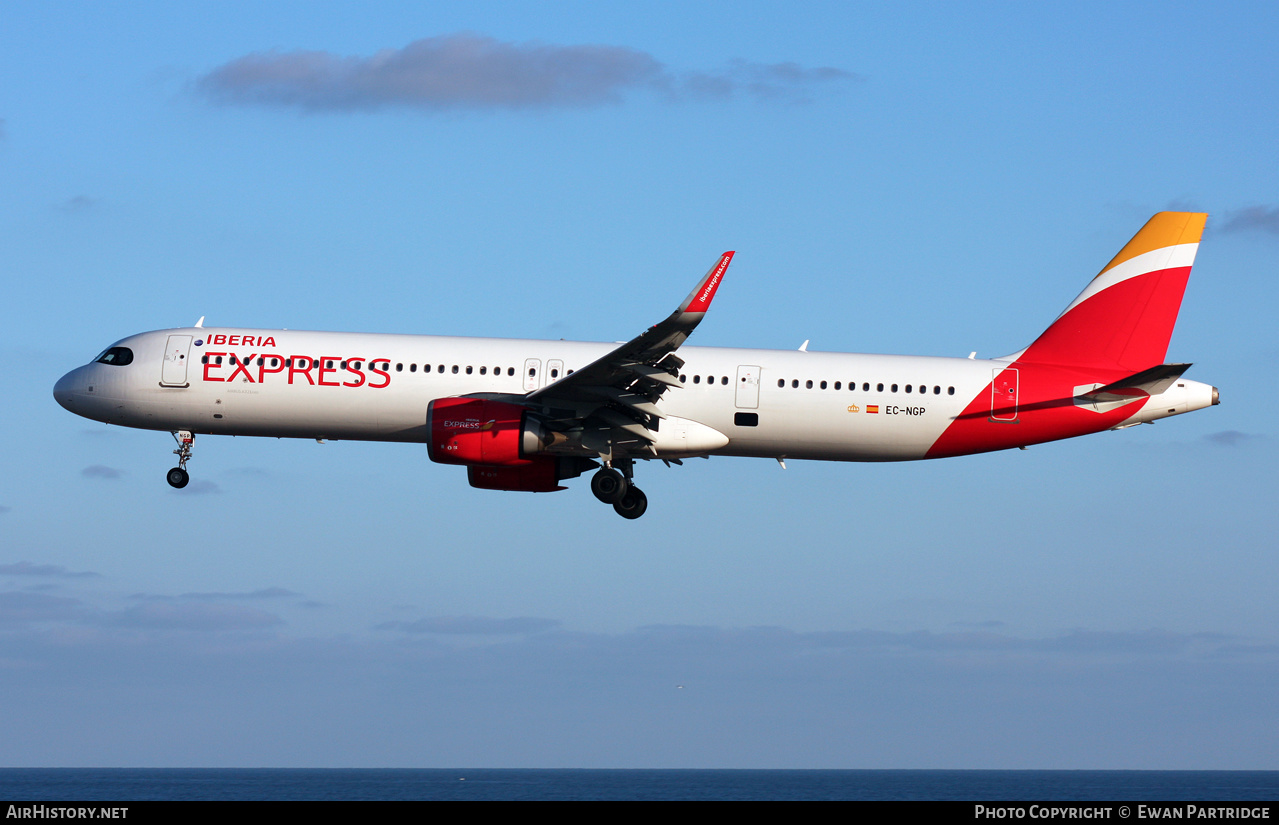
{"points": [[872, 408]]}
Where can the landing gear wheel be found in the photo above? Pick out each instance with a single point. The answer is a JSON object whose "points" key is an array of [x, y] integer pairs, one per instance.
{"points": [[177, 477], [609, 485], [632, 504]]}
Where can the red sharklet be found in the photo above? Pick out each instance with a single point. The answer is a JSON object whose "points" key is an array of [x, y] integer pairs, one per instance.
{"points": [[706, 290]]}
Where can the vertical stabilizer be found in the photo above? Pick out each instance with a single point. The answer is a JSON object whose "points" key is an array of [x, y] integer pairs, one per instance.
{"points": [[1124, 318]]}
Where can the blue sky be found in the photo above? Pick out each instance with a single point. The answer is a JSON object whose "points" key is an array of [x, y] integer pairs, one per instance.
{"points": [[915, 178]]}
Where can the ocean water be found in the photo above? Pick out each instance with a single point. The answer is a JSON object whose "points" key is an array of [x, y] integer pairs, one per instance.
{"points": [[138, 784]]}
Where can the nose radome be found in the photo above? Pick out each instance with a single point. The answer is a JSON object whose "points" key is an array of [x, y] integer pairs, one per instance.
{"points": [[63, 391]]}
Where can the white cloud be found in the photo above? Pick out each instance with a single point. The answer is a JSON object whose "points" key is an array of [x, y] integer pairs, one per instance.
{"points": [[470, 71]]}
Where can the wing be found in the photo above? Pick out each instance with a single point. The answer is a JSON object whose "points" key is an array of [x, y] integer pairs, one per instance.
{"points": [[614, 398]]}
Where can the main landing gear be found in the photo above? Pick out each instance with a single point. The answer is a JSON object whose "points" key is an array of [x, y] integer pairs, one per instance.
{"points": [[615, 487], [178, 476]]}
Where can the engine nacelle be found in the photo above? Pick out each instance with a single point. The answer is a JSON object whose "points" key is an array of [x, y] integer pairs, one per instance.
{"points": [[477, 431], [540, 475]]}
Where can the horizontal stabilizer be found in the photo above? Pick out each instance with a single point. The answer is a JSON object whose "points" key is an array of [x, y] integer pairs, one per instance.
{"points": [[1152, 382]]}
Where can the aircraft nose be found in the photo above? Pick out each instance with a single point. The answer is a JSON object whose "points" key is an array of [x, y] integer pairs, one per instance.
{"points": [[64, 390]]}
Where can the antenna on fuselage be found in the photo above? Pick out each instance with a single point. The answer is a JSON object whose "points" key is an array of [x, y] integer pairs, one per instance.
{"points": [[200, 323]]}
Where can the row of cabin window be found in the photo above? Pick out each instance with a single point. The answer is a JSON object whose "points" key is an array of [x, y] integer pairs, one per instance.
{"points": [[426, 368], [852, 386], [510, 371]]}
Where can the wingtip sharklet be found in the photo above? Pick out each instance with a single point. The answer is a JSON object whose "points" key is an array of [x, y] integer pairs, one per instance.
{"points": [[699, 300]]}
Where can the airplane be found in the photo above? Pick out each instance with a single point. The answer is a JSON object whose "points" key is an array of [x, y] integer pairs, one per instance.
{"points": [[528, 414]]}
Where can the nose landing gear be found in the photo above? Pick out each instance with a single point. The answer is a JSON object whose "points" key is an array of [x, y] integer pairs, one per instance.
{"points": [[178, 476]]}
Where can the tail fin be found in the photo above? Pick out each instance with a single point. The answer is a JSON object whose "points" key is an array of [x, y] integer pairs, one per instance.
{"points": [[1125, 316]]}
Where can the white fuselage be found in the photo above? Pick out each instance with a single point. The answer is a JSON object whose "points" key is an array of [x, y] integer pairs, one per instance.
{"points": [[376, 387]]}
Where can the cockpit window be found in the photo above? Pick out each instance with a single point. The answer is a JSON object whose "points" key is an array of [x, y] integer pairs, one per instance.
{"points": [[116, 357]]}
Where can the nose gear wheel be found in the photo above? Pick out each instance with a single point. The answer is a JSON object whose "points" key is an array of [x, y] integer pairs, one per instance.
{"points": [[178, 476]]}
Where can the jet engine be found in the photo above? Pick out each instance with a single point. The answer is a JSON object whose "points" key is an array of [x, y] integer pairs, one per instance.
{"points": [[499, 443], [478, 431]]}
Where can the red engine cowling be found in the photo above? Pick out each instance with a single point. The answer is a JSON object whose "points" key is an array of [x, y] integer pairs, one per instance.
{"points": [[476, 431], [540, 475]]}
